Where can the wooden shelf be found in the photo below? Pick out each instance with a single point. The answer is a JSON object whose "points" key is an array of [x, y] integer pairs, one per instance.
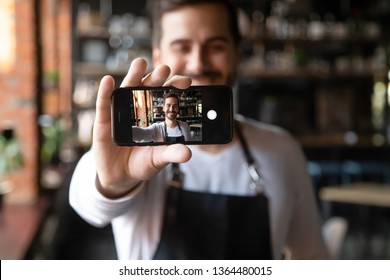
{"points": [[99, 69], [307, 74], [337, 140], [322, 43], [98, 32]]}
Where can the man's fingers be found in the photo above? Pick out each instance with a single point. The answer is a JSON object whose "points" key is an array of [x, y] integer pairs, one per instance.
{"points": [[156, 78], [103, 101], [178, 153], [177, 81], [135, 74]]}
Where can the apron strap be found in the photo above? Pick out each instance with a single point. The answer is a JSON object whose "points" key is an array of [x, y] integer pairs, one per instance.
{"points": [[244, 144], [177, 176], [253, 169], [257, 181], [166, 131]]}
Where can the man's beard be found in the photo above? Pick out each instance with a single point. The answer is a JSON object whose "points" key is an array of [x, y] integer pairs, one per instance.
{"points": [[210, 74], [171, 115]]}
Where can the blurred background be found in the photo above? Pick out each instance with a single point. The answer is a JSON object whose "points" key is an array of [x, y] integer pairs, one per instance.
{"points": [[320, 69]]}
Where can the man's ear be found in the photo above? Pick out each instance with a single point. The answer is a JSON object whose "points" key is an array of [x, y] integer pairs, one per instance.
{"points": [[156, 56]]}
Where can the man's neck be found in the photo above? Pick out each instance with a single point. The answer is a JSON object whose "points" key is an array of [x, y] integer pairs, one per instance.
{"points": [[171, 123]]}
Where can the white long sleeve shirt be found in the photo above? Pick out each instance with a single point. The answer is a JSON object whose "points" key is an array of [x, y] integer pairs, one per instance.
{"points": [[137, 219]]}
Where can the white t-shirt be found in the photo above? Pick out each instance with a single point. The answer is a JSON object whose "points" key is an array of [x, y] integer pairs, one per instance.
{"points": [[137, 218]]}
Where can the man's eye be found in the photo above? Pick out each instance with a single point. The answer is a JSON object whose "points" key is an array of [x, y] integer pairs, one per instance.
{"points": [[217, 47], [181, 49]]}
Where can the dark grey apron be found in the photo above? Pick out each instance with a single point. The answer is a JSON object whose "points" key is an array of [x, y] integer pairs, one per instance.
{"points": [[200, 225], [173, 139]]}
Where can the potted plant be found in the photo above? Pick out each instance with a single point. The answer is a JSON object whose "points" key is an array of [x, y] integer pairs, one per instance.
{"points": [[11, 159], [11, 155], [53, 134]]}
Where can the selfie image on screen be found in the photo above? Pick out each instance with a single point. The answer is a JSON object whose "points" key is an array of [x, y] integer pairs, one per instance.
{"points": [[169, 116]]}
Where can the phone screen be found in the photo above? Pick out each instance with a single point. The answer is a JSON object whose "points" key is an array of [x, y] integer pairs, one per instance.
{"points": [[167, 115]]}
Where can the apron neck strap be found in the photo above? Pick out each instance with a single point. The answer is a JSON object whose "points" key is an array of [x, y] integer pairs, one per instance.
{"points": [[244, 144], [252, 165], [166, 131]]}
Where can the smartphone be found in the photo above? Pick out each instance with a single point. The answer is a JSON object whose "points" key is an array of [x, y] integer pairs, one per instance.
{"points": [[149, 116]]}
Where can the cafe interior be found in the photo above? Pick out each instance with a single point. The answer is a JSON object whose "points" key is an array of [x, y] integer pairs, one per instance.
{"points": [[319, 69]]}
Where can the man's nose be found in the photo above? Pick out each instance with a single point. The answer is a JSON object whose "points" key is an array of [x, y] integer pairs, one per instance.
{"points": [[196, 61]]}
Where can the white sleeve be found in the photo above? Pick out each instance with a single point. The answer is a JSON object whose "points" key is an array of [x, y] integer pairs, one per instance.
{"points": [[151, 133], [304, 239], [88, 202]]}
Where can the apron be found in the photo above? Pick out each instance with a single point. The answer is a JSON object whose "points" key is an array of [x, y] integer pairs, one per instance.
{"points": [[173, 139], [198, 225]]}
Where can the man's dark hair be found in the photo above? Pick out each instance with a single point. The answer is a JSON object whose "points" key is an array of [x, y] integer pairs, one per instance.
{"points": [[160, 7], [171, 94]]}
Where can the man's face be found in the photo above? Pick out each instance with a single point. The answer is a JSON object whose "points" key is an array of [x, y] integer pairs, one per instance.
{"points": [[171, 108], [196, 42]]}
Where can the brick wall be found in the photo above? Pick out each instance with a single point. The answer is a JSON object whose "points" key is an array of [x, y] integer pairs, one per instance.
{"points": [[18, 97], [64, 23], [56, 55], [19, 91]]}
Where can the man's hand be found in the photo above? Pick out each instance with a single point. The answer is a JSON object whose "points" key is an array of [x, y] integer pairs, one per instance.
{"points": [[119, 169]]}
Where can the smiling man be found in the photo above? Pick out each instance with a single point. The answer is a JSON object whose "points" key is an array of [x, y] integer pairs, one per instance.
{"points": [[249, 199], [171, 130]]}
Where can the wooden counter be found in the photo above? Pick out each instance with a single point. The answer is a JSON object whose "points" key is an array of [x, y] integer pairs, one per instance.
{"points": [[371, 194]]}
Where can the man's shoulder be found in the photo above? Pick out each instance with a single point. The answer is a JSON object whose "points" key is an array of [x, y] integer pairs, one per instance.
{"points": [[181, 123], [264, 133], [157, 124], [254, 126]]}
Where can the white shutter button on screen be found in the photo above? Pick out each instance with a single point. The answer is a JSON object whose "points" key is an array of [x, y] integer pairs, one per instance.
{"points": [[211, 115]]}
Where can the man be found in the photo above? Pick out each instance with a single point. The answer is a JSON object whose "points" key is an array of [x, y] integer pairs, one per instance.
{"points": [[128, 186], [169, 131]]}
